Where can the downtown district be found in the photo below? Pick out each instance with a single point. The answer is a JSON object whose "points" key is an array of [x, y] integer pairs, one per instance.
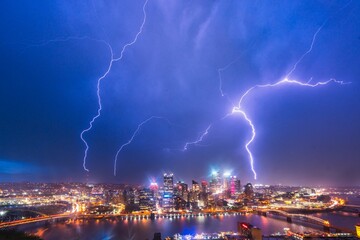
{"points": [[222, 193]]}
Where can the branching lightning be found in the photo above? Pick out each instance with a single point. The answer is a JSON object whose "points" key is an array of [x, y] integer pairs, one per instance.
{"points": [[237, 109], [61, 39], [307, 52], [220, 70], [98, 110], [133, 136], [199, 139], [112, 60]]}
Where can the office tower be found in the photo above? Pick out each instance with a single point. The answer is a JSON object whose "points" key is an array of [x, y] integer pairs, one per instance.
{"points": [[215, 183], [249, 190], [195, 186], [168, 201], [204, 186], [146, 200], [234, 186]]}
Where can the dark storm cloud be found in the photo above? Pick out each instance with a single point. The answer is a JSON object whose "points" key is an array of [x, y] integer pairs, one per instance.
{"points": [[51, 59]]}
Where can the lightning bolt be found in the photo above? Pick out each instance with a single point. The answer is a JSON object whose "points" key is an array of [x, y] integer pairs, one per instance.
{"points": [[220, 70], [60, 39], [112, 60], [307, 52], [98, 110], [200, 139], [133, 136], [239, 110]]}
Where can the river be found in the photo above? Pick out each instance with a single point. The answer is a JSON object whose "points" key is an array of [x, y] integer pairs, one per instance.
{"points": [[107, 229]]}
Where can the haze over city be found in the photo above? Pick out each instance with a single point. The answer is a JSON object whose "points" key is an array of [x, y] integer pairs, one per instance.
{"points": [[189, 67]]}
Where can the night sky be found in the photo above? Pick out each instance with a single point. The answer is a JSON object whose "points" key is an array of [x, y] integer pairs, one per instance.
{"points": [[53, 52]]}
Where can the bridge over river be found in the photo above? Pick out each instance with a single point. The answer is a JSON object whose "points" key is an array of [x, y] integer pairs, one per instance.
{"points": [[351, 208], [65, 216], [290, 217]]}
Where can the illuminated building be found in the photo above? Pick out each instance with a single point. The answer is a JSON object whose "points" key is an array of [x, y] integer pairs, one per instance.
{"points": [[168, 201], [226, 181], [195, 186], [181, 190], [146, 200], [249, 190], [204, 195], [154, 187], [180, 203], [109, 196], [203, 199], [249, 231], [307, 192], [357, 227], [194, 199], [97, 191], [234, 186], [181, 195], [130, 196], [215, 183], [204, 186]]}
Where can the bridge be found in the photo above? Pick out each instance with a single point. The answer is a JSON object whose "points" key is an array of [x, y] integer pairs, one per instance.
{"points": [[354, 206], [351, 208], [327, 227], [122, 216], [291, 216], [264, 212], [35, 220]]}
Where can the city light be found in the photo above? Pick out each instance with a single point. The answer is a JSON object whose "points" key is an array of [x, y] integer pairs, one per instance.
{"points": [[180, 120]]}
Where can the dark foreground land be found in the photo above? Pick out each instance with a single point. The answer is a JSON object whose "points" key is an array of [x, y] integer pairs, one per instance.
{"points": [[10, 234]]}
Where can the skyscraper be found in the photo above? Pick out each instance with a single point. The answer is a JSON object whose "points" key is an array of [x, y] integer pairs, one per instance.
{"points": [[235, 186], [181, 190], [154, 188], [168, 200], [195, 186], [146, 200], [249, 190], [204, 186], [215, 183]]}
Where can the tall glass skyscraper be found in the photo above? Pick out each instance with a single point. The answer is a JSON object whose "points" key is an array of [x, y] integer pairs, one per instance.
{"points": [[168, 196]]}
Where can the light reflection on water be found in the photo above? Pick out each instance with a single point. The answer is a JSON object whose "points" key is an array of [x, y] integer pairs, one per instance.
{"points": [[145, 228], [341, 219]]}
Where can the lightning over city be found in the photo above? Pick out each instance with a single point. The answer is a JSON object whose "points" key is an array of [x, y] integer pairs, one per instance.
{"points": [[239, 110], [98, 110], [159, 119], [135, 133], [200, 139], [98, 86], [141, 88]]}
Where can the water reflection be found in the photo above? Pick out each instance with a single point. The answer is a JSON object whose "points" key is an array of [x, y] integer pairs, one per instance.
{"points": [[145, 228]]}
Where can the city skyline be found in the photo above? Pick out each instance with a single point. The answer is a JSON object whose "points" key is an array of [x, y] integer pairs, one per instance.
{"points": [[173, 76]]}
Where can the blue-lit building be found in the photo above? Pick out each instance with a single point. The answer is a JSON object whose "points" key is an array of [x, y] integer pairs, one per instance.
{"points": [[168, 194]]}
